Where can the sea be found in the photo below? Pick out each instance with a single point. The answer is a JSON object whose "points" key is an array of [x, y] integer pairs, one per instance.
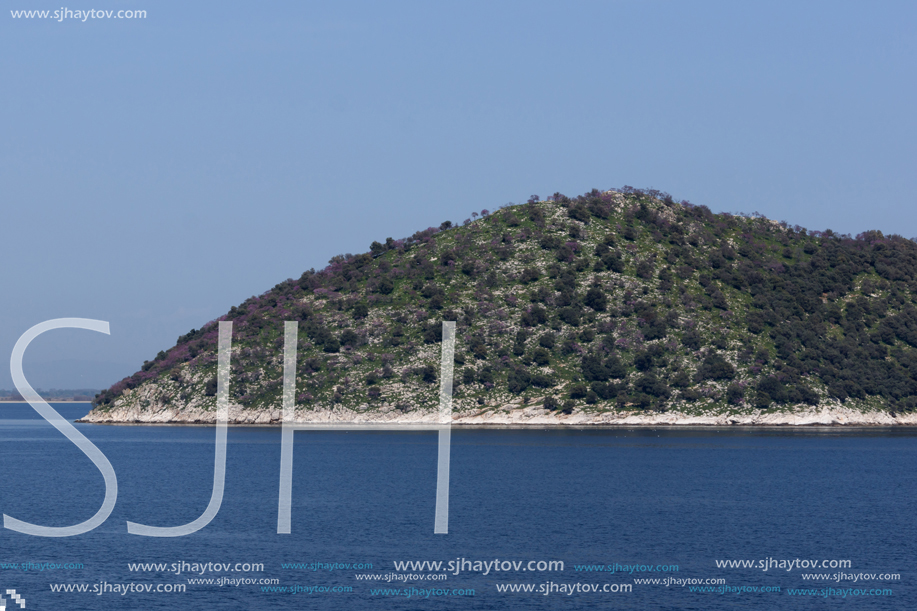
{"points": [[539, 518]]}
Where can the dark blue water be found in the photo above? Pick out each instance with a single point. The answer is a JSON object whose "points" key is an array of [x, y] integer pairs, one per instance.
{"points": [[583, 497]]}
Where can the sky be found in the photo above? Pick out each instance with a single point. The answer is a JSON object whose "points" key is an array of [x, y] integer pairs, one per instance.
{"points": [[156, 171]]}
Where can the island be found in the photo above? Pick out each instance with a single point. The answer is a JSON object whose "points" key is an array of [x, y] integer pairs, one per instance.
{"points": [[620, 307]]}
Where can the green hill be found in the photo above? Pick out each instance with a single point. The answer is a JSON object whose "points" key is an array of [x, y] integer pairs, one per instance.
{"points": [[621, 300]]}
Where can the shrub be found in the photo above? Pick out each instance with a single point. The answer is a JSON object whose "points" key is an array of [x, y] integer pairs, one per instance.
{"points": [[385, 286], [734, 394], [541, 357], [571, 316], [645, 269], [518, 380], [642, 400], [579, 213], [332, 345], [360, 310], [578, 391], [715, 367], [551, 403], [432, 334], [808, 395], [529, 275], [651, 385], [691, 340], [349, 338], [541, 380], [596, 299], [755, 323], [773, 388], [547, 340], [613, 262], [681, 380], [536, 316], [550, 242], [643, 361]]}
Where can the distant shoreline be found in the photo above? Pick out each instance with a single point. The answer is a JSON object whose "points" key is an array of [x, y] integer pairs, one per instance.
{"points": [[49, 400]]}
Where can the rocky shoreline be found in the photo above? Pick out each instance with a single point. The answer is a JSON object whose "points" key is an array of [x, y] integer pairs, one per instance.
{"points": [[511, 415]]}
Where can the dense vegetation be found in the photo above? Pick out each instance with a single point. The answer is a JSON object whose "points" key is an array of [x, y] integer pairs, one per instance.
{"points": [[623, 299]]}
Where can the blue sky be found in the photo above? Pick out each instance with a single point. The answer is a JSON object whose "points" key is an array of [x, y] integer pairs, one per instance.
{"points": [[155, 172]]}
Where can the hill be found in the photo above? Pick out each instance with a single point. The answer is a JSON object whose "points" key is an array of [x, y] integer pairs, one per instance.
{"points": [[603, 306]]}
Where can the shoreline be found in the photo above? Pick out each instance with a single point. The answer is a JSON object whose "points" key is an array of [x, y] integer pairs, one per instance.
{"points": [[581, 427], [515, 416]]}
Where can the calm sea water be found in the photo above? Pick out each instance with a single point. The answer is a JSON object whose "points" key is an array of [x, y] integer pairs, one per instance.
{"points": [[646, 497]]}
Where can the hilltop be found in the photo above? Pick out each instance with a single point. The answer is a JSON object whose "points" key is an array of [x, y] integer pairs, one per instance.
{"points": [[610, 306]]}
